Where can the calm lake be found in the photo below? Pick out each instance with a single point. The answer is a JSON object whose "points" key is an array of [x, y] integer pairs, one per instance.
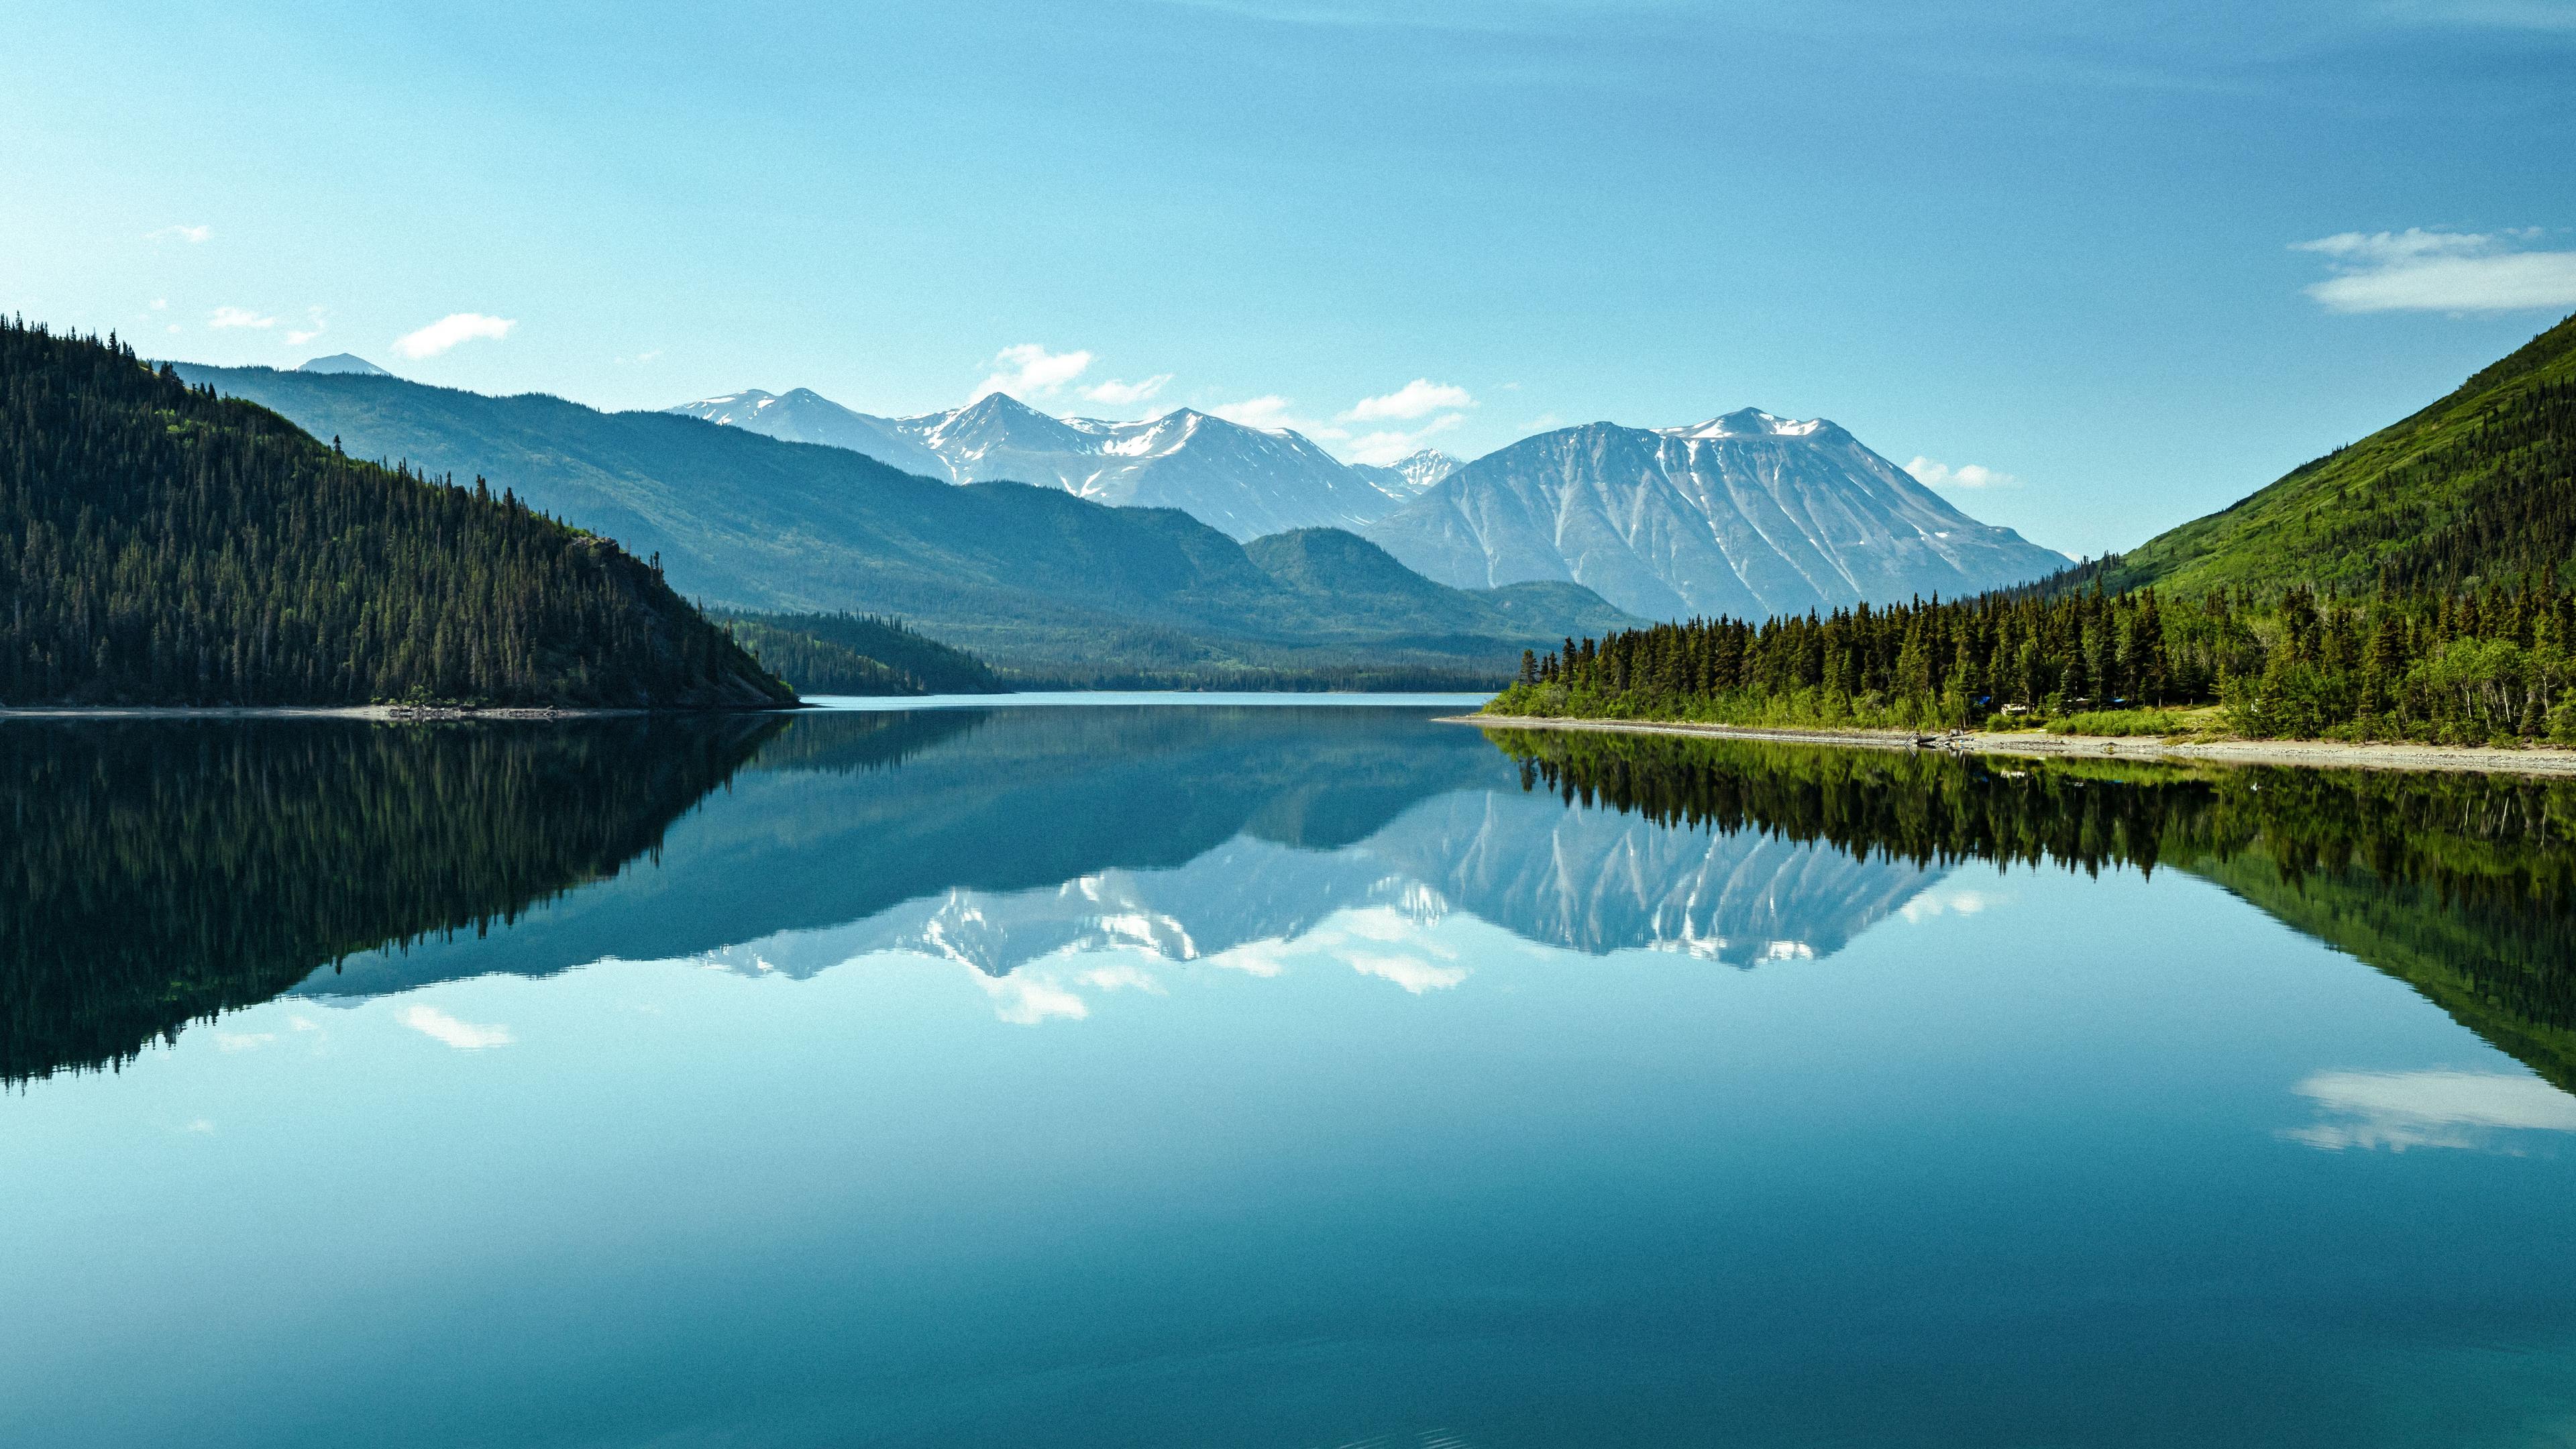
{"points": [[1273, 1075]]}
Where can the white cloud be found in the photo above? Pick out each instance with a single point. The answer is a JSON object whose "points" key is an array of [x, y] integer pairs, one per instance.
{"points": [[307, 334], [1023, 999], [2440, 271], [189, 234], [243, 1041], [1390, 444], [1268, 411], [160, 304], [1264, 959], [201, 1125], [1028, 370], [450, 330], [238, 317], [1127, 394], [1413, 975], [1121, 976], [1967, 475], [465, 1036], [1419, 398], [2398, 1110], [1962, 902]]}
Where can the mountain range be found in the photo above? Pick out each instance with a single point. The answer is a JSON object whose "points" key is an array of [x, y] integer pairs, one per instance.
{"points": [[1745, 514], [1030, 577], [1244, 481]]}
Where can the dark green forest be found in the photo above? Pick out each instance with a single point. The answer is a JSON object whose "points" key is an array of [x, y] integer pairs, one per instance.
{"points": [[2458, 884], [2487, 665], [159, 545], [846, 653], [158, 872]]}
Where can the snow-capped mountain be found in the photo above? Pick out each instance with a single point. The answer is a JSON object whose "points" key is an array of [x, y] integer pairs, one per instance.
{"points": [[1245, 481], [1594, 881], [1746, 514], [805, 416], [1411, 476]]}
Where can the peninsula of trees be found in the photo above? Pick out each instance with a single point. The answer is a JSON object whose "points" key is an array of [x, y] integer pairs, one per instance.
{"points": [[162, 546], [2419, 584]]}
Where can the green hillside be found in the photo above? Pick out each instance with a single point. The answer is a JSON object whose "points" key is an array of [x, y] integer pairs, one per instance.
{"points": [[2479, 486], [858, 654], [1035, 580], [159, 545]]}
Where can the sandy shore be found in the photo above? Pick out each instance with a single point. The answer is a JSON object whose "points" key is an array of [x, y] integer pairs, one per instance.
{"points": [[2323, 753]]}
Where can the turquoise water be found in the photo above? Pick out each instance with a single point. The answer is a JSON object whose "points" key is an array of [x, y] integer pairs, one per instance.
{"points": [[1268, 1076]]}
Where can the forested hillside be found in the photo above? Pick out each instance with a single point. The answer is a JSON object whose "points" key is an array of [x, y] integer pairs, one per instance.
{"points": [[858, 654], [165, 546], [2420, 584], [2480, 487]]}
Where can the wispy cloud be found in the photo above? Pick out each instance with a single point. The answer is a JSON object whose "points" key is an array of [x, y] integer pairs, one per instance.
{"points": [[1029, 370], [1025, 999], [1127, 394], [189, 234], [1933, 474], [1387, 445], [450, 330], [2398, 1110], [2417, 270], [1414, 975], [1419, 398], [1267, 411], [238, 317], [307, 334], [1121, 976], [465, 1036], [243, 1041]]}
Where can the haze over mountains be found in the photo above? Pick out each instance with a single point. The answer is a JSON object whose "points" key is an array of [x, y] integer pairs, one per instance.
{"points": [[1746, 514]]}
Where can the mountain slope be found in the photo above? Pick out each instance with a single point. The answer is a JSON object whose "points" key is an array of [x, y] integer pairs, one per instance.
{"points": [[2481, 483], [1243, 481], [159, 546], [1746, 514], [1026, 576]]}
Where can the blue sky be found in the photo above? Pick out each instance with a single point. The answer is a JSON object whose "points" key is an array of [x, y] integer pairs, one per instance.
{"points": [[2056, 250]]}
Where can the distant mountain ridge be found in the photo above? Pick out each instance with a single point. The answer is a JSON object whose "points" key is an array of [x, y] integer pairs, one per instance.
{"points": [[1746, 514], [1243, 481], [1029, 577]]}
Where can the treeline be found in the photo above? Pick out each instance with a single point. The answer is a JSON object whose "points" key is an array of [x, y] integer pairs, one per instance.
{"points": [[160, 872], [846, 653], [160, 545], [2480, 665]]}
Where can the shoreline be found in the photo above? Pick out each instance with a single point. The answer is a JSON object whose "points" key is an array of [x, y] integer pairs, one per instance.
{"points": [[381, 713], [2319, 754]]}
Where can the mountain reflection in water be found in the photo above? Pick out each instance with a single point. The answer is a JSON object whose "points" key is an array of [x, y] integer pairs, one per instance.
{"points": [[163, 873]]}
